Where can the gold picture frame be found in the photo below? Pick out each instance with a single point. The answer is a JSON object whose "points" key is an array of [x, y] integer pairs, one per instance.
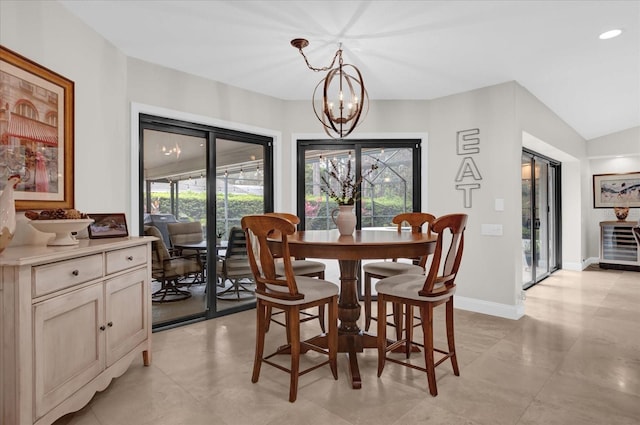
{"points": [[36, 133]]}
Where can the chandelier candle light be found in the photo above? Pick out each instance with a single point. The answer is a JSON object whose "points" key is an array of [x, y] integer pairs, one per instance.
{"points": [[344, 97]]}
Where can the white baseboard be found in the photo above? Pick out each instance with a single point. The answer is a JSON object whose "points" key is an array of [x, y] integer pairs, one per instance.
{"points": [[578, 267], [514, 312], [573, 266]]}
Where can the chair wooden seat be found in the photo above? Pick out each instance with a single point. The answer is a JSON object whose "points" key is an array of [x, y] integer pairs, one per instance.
{"points": [[383, 269], [425, 293], [409, 287], [313, 290], [289, 293]]}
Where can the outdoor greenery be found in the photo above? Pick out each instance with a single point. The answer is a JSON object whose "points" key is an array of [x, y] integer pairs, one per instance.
{"points": [[386, 191], [193, 208]]}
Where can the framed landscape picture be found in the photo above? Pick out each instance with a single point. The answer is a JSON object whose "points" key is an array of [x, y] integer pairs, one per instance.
{"points": [[37, 141], [616, 190], [112, 225]]}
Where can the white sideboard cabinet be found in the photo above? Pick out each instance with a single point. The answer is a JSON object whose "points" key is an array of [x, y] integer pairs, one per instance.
{"points": [[73, 318], [618, 246]]}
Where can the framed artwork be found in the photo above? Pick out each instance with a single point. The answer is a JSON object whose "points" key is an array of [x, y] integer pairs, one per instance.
{"points": [[36, 133], [616, 190], [112, 225]]}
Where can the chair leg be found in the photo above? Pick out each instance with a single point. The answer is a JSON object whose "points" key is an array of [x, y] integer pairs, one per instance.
{"points": [[397, 320], [382, 333], [367, 301], [451, 338], [333, 335], [269, 313], [408, 329], [260, 334], [293, 326], [426, 315], [321, 318], [287, 329]]}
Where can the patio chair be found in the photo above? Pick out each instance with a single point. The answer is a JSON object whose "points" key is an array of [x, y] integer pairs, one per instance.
{"points": [[235, 266], [169, 269]]}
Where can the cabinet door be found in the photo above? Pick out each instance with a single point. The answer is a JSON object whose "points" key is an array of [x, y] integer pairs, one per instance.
{"points": [[127, 313], [68, 345]]}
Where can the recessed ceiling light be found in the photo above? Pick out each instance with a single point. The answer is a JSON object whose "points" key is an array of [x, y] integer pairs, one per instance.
{"points": [[610, 34]]}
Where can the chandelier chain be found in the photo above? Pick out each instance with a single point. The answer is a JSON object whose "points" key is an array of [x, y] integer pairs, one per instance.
{"points": [[325, 68]]}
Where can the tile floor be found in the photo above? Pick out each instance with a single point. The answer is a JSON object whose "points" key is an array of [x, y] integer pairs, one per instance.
{"points": [[573, 359]]}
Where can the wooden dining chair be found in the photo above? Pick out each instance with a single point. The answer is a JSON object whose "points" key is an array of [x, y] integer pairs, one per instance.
{"points": [[425, 292], [289, 293], [383, 269], [301, 267]]}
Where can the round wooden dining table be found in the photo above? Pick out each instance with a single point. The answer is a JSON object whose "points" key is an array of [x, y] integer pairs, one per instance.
{"points": [[349, 251]]}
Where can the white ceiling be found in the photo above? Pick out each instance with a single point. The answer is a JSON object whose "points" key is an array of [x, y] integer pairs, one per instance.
{"points": [[404, 49]]}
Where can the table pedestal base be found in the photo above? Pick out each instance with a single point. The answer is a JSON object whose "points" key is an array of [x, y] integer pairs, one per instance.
{"points": [[350, 344]]}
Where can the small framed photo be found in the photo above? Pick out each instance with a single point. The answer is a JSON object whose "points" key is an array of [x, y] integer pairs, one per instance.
{"points": [[113, 225]]}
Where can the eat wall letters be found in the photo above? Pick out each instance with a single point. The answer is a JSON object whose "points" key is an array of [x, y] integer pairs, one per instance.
{"points": [[468, 175]]}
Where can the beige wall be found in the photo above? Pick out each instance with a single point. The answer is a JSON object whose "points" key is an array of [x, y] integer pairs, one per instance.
{"points": [[109, 86], [491, 264]]}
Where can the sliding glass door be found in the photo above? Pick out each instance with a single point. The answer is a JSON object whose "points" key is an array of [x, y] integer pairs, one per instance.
{"points": [[540, 217], [209, 178], [242, 176]]}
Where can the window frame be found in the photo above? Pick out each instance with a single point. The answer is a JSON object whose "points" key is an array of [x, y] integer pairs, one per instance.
{"points": [[356, 145]]}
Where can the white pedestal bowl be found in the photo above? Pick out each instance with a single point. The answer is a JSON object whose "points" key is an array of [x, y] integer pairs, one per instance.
{"points": [[62, 229]]}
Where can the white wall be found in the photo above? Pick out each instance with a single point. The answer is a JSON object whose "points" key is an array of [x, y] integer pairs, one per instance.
{"points": [[109, 86]]}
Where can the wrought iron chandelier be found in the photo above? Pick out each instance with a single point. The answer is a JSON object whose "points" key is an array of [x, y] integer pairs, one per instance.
{"points": [[344, 98]]}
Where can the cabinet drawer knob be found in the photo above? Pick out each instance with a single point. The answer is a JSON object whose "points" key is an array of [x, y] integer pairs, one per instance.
{"points": [[110, 324], [102, 328], [130, 258], [75, 272]]}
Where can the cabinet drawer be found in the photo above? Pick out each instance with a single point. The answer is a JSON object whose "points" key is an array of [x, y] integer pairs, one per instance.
{"points": [[64, 274], [123, 259]]}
